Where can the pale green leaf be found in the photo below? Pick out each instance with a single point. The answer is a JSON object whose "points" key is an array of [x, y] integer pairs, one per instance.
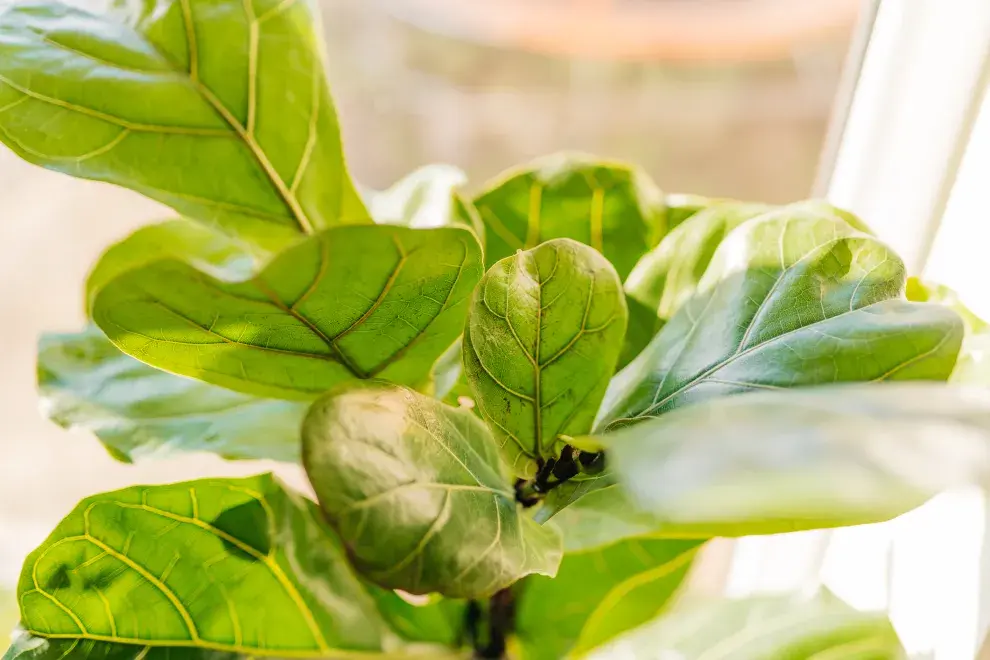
{"points": [[218, 108], [139, 412], [788, 301], [351, 302], [771, 462], [782, 627], [643, 326], [417, 491], [422, 199], [206, 249], [614, 208], [667, 276], [544, 332], [681, 206], [921, 291], [595, 512], [599, 594], [187, 565]]}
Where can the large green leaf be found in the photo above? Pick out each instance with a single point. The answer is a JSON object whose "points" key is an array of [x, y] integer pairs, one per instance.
{"points": [[352, 302], [543, 335], [233, 565], [137, 411], [25, 646], [206, 249], [667, 276], [596, 512], [788, 301], [599, 594], [770, 462], [424, 198], [614, 208], [417, 491], [769, 628], [217, 108]]}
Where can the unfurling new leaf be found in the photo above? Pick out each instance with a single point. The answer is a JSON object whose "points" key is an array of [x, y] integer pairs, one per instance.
{"points": [[544, 332], [350, 303], [417, 491]]}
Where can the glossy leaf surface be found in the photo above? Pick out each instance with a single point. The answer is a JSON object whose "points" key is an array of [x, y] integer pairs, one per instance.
{"points": [[204, 248], [186, 565], [352, 302], [218, 109], [599, 594], [613, 208], [769, 628], [544, 332], [139, 412], [771, 462], [388, 463], [786, 302], [667, 276]]}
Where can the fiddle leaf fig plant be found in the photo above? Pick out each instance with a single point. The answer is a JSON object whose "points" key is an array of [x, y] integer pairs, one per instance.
{"points": [[523, 407]]}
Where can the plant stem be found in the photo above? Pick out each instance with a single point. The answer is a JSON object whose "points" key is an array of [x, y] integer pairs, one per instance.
{"points": [[489, 642]]}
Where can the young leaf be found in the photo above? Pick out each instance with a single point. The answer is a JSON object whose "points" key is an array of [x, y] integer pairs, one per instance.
{"points": [[768, 628], [217, 108], [421, 200], [202, 247], [186, 565], [137, 411], [417, 492], [543, 335], [599, 594], [352, 302], [771, 462], [613, 208], [667, 276], [788, 301]]}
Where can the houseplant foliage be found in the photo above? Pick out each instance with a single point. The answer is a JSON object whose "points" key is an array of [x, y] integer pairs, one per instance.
{"points": [[522, 410]]}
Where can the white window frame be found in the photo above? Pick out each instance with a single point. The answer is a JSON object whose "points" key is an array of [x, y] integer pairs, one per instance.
{"points": [[901, 153]]}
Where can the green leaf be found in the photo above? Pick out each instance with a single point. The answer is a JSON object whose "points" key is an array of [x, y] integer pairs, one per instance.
{"points": [[387, 463], [26, 646], [595, 512], [352, 302], [422, 199], [643, 326], [186, 565], [922, 291], [138, 411], [615, 209], [543, 335], [788, 301], [680, 207], [202, 247], [216, 108], [667, 276], [769, 628], [831, 456], [599, 594]]}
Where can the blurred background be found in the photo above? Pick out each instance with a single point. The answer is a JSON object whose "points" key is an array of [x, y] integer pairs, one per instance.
{"points": [[729, 98]]}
